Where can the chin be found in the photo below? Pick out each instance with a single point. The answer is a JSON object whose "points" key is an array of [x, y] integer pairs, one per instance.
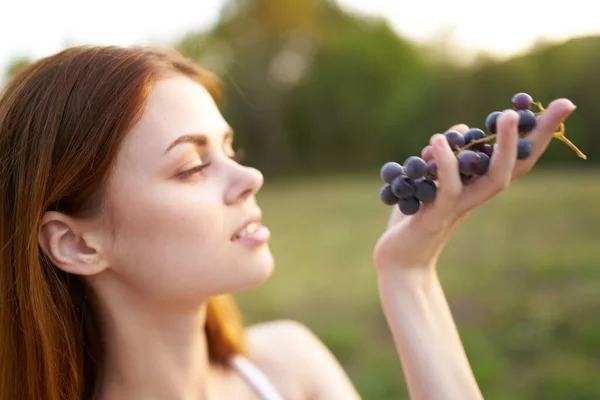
{"points": [[263, 265], [256, 268]]}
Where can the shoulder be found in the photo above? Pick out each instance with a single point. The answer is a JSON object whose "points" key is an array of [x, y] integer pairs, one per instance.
{"points": [[293, 357], [283, 343]]}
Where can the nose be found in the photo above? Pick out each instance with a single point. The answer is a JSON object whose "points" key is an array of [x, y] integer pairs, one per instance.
{"points": [[245, 182]]}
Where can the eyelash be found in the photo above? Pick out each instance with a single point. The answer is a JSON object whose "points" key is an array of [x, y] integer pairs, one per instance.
{"points": [[237, 156]]}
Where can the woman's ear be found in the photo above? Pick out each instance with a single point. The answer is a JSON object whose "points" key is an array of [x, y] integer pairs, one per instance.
{"points": [[71, 245]]}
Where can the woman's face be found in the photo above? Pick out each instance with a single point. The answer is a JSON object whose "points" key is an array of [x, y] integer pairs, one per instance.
{"points": [[178, 231]]}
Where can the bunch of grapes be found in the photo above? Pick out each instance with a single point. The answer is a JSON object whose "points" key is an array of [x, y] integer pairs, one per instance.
{"points": [[412, 183]]}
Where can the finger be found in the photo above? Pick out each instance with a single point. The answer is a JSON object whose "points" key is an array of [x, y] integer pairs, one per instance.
{"points": [[427, 153], [449, 184], [547, 124], [502, 163]]}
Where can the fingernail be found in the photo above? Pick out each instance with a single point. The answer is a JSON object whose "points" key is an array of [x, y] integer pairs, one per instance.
{"points": [[439, 140], [570, 109]]}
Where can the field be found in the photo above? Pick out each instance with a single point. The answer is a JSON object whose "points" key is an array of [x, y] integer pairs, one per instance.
{"points": [[522, 276]]}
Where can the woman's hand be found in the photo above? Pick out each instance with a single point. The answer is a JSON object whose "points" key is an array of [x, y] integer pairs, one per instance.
{"points": [[426, 339], [416, 241]]}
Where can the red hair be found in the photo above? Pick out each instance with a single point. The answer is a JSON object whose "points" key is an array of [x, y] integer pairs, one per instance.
{"points": [[62, 121]]}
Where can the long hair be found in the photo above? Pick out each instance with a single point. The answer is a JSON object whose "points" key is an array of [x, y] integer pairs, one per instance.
{"points": [[62, 121]]}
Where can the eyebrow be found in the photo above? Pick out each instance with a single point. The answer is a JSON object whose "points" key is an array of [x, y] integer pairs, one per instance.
{"points": [[198, 139]]}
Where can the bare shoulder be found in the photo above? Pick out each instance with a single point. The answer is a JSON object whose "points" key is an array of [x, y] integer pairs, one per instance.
{"points": [[296, 360]]}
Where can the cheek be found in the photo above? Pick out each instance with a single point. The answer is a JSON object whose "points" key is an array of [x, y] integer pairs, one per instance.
{"points": [[169, 239]]}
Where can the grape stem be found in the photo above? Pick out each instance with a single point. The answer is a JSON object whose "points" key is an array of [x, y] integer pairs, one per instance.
{"points": [[476, 142], [560, 135]]}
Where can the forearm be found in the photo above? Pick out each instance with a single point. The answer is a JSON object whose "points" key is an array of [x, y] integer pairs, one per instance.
{"points": [[425, 335]]}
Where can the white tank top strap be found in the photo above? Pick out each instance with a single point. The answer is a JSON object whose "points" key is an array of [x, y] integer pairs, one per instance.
{"points": [[259, 382]]}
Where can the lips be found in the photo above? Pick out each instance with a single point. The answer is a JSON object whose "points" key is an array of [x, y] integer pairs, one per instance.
{"points": [[249, 227]]}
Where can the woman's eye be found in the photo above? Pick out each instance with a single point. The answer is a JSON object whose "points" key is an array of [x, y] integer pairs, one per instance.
{"points": [[236, 155], [194, 170]]}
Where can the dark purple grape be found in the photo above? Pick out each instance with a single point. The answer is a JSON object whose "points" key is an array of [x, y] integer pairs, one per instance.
{"points": [[432, 169], [409, 205], [527, 121], [455, 139], [487, 149], [425, 190], [472, 135], [402, 187], [524, 149], [484, 165], [415, 167], [468, 162], [386, 195], [522, 101], [491, 120], [465, 179], [390, 170]]}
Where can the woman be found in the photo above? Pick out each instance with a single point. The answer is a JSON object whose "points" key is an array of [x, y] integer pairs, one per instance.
{"points": [[127, 224]]}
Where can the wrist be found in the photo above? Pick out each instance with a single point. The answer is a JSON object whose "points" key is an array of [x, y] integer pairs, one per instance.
{"points": [[413, 279]]}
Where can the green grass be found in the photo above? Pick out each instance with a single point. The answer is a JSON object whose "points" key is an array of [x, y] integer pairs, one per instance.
{"points": [[522, 276]]}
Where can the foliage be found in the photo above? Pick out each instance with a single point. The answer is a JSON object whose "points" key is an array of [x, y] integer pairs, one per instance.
{"points": [[314, 87], [310, 86]]}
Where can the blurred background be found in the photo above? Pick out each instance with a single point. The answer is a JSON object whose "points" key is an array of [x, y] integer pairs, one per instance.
{"points": [[322, 93]]}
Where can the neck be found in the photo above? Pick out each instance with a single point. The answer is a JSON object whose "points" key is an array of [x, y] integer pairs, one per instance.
{"points": [[152, 353]]}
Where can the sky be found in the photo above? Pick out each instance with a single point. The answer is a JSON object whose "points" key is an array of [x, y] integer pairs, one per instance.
{"points": [[36, 28]]}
